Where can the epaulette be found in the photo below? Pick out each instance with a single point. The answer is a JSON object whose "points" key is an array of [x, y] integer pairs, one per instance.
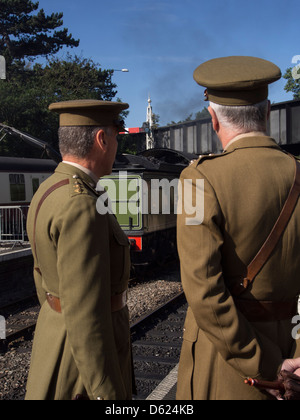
{"points": [[203, 158], [80, 186], [77, 186]]}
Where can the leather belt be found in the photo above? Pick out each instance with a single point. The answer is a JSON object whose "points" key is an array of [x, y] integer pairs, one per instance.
{"points": [[118, 302], [265, 311]]}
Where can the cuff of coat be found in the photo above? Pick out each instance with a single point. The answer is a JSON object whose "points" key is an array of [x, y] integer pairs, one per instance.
{"points": [[108, 391]]}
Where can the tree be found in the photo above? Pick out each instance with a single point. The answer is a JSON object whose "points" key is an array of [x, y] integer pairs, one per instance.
{"points": [[155, 121], [200, 115], [25, 98], [76, 77], [292, 76], [28, 35]]}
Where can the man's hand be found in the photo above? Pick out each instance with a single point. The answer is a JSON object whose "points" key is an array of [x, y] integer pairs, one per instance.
{"points": [[290, 377], [291, 383], [292, 366]]}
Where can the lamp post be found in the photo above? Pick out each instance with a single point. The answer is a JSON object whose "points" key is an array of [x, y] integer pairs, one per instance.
{"points": [[122, 70]]}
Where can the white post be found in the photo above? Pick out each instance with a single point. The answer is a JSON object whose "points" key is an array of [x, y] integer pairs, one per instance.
{"points": [[2, 328], [2, 68], [149, 135]]}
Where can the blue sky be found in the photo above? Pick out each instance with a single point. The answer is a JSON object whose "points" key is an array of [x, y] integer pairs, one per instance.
{"points": [[161, 42]]}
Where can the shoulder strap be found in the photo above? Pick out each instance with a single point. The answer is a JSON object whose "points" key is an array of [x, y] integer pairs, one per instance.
{"points": [[46, 195], [270, 244]]}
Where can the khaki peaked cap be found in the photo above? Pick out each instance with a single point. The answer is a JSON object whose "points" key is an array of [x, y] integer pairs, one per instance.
{"points": [[89, 112], [237, 80]]}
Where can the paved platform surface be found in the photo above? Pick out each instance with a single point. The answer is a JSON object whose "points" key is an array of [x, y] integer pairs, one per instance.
{"points": [[8, 254], [166, 390]]}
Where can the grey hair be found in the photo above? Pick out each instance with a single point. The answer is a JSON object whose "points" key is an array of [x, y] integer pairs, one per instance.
{"points": [[78, 141], [243, 119]]}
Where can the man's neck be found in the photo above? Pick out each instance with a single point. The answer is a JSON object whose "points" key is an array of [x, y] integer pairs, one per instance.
{"points": [[82, 164], [241, 136], [228, 138]]}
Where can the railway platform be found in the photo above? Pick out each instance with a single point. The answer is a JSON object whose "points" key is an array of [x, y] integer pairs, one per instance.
{"points": [[9, 253], [166, 390], [16, 273]]}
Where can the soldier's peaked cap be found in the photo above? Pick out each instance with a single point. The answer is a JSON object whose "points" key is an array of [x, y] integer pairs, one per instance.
{"points": [[89, 112], [237, 80]]}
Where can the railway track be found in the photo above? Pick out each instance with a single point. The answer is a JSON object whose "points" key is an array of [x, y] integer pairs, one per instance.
{"points": [[21, 313], [157, 341], [156, 337], [21, 317]]}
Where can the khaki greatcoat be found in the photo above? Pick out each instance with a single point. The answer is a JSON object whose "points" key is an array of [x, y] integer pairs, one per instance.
{"points": [[244, 191], [84, 260]]}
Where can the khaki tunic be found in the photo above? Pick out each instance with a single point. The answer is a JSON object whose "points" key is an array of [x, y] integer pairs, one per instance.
{"points": [[84, 260], [244, 191]]}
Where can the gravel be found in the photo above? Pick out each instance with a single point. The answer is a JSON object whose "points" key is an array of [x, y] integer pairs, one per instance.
{"points": [[14, 366], [142, 298], [145, 297]]}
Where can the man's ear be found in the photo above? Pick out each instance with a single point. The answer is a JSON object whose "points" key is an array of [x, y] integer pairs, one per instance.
{"points": [[215, 121], [101, 140]]}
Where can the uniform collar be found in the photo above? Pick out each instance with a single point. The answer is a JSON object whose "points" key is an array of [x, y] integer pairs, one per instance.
{"points": [[83, 169], [75, 171], [251, 140]]}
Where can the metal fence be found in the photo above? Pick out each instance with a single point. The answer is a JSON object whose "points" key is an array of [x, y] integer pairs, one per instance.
{"points": [[13, 224]]}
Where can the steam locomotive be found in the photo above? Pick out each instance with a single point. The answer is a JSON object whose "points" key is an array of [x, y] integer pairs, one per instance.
{"points": [[152, 233]]}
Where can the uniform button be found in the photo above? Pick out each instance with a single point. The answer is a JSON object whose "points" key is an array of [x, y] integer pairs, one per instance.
{"points": [[75, 176]]}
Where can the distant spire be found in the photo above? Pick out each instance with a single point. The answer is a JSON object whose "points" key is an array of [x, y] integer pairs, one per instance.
{"points": [[149, 120], [149, 113]]}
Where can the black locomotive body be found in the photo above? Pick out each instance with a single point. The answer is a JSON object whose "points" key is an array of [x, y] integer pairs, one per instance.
{"points": [[143, 193]]}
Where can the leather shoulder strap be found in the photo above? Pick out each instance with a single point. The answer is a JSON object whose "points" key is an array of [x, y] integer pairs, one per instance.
{"points": [[270, 244], [45, 195]]}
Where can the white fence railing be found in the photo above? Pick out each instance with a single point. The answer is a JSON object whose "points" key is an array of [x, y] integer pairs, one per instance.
{"points": [[13, 224]]}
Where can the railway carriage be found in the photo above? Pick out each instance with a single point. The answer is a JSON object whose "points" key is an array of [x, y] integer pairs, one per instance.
{"points": [[147, 182], [20, 179], [142, 191]]}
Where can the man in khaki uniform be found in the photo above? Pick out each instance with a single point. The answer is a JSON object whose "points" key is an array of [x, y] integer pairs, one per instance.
{"points": [[236, 328], [82, 264]]}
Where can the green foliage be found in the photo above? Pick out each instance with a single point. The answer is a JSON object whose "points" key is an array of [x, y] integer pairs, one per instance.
{"points": [[198, 116], [25, 98], [25, 34], [128, 143], [202, 114], [76, 77], [293, 84]]}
